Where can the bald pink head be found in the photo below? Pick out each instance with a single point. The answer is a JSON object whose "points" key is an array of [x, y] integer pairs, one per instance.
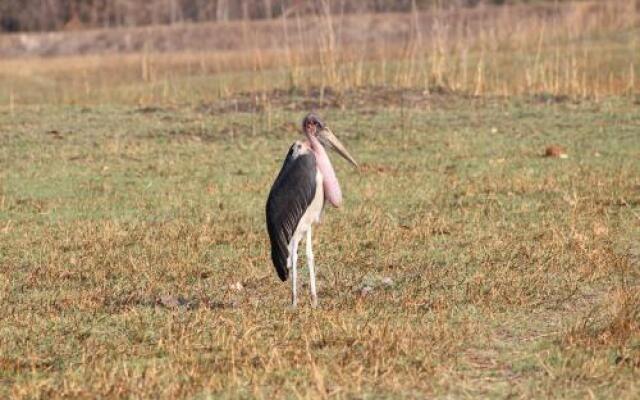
{"points": [[320, 137]]}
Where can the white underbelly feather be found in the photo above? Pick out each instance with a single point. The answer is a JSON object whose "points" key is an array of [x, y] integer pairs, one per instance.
{"points": [[313, 212]]}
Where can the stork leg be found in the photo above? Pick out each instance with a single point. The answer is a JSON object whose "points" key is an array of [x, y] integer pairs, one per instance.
{"points": [[294, 273], [312, 272]]}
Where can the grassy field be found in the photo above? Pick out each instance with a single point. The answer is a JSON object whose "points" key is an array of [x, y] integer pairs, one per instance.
{"points": [[134, 258], [126, 231]]}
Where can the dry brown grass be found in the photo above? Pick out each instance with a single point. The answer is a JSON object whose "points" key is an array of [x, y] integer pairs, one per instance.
{"points": [[581, 50]]}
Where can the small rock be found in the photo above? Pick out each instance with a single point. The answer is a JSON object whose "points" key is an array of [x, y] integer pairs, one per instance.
{"points": [[365, 291], [236, 286], [55, 134], [555, 151], [387, 281], [169, 301]]}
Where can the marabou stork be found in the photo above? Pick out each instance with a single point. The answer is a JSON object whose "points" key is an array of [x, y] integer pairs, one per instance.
{"points": [[298, 196]]}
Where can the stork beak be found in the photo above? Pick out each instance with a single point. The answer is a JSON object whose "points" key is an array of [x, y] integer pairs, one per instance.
{"points": [[327, 138]]}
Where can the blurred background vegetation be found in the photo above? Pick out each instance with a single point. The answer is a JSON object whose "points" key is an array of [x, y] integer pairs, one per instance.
{"points": [[48, 15]]}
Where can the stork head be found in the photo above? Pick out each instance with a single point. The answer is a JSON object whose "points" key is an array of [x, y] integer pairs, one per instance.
{"points": [[314, 127], [311, 124]]}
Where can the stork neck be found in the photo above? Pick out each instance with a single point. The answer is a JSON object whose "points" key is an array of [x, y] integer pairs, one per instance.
{"points": [[330, 183], [314, 143]]}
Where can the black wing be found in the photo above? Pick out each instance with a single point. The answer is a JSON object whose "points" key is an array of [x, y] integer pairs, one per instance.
{"points": [[291, 194]]}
